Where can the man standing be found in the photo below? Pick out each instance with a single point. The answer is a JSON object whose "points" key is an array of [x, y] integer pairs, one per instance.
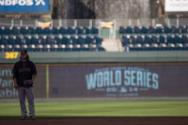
{"points": [[24, 74]]}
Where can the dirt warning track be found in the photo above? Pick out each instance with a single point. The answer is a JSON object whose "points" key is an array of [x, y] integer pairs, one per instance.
{"points": [[97, 121]]}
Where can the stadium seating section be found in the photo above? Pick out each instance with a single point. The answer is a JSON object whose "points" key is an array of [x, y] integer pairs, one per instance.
{"points": [[133, 38], [158, 38], [50, 39]]}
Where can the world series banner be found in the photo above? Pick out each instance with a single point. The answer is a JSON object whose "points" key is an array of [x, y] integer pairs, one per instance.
{"points": [[25, 6], [119, 80], [103, 80]]}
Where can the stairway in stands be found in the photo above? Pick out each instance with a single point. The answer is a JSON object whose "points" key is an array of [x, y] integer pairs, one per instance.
{"points": [[112, 45]]}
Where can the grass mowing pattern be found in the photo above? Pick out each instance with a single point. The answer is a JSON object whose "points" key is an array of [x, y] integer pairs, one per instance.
{"points": [[102, 108]]}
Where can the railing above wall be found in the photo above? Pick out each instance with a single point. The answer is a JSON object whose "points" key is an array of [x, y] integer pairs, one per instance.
{"points": [[102, 57], [91, 22], [109, 27]]}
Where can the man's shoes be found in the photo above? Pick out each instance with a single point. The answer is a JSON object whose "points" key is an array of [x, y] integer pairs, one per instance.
{"points": [[32, 117], [24, 117], [28, 117]]}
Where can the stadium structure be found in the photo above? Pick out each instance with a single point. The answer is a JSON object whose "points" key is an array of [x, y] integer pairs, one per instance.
{"points": [[98, 49]]}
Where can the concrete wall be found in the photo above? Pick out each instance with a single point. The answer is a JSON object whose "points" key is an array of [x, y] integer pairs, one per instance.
{"points": [[122, 8], [103, 9], [78, 9]]}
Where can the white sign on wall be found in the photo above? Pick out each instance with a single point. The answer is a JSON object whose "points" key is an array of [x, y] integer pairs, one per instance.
{"points": [[176, 5]]}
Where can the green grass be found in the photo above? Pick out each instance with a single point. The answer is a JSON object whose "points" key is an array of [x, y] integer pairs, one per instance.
{"points": [[102, 108]]}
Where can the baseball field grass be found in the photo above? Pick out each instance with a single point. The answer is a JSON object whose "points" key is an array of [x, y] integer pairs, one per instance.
{"points": [[101, 108]]}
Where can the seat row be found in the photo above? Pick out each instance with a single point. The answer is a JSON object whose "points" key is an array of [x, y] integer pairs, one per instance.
{"points": [[51, 43], [143, 39], [153, 29], [53, 30]]}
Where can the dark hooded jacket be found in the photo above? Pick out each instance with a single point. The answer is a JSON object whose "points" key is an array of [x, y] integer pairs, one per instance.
{"points": [[24, 71]]}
